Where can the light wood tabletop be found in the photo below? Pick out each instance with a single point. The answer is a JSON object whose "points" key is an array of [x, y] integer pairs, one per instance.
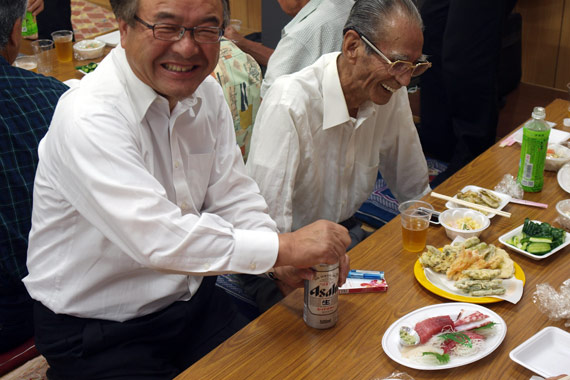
{"points": [[62, 70], [278, 344]]}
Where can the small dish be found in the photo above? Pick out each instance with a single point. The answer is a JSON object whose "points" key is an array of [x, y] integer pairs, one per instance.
{"points": [[505, 199], [86, 69], [563, 209], [110, 39], [449, 218], [563, 177], [545, 353], [88, 49], [556, 156], [503, 239]]}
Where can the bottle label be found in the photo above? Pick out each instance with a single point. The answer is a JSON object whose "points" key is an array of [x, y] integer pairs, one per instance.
{"points": [[29, 25], [533, 156]]}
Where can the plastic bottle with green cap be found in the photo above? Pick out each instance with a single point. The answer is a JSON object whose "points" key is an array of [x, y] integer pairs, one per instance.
{"points": [[533, 151]]}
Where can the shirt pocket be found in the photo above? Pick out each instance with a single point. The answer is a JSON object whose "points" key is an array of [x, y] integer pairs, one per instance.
{"points": [[364, 178], [199, 168]]}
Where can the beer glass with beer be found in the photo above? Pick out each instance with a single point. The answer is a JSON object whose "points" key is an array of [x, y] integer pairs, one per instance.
{"points": [[63, 40], [415, 217]]}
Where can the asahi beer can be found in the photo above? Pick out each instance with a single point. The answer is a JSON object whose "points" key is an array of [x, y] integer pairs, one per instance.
{"points": [[321, 297]]}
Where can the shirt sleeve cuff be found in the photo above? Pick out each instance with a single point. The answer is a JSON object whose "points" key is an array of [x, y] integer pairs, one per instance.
{"points": [[255, 251]]}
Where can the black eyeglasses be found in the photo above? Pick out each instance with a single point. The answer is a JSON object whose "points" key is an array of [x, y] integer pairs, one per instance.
{"points": [[173, 32], [397, 67]]}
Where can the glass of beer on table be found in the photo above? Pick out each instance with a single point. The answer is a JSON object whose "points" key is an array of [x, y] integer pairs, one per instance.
{"points": [[415, 216], [63, 40]]}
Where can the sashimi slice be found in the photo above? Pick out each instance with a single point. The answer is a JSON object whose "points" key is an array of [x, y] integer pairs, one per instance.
{"points": [[431, 326], [449, 344], [473, 317], [471, 321]]}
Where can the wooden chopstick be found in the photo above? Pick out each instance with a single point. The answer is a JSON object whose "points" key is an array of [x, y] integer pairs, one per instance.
{"points": [[472, 205]]}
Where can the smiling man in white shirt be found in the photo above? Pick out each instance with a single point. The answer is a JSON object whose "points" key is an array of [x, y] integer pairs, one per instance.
{"points": [[322, 134], [141, 197]]}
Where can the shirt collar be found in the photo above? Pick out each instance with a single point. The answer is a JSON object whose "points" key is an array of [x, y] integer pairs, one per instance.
{"points": [[334, 104], [142, 96]]}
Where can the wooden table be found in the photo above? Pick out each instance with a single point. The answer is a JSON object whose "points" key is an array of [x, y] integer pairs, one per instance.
{"points": [[278, 344], [62, 70]]}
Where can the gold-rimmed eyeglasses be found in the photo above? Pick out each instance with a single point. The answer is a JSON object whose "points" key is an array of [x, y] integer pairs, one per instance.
{"points": [[173, 32], [398, 67]]}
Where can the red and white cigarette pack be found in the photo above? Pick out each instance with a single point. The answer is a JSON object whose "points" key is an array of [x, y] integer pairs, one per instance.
{"points": [[360, 285]]}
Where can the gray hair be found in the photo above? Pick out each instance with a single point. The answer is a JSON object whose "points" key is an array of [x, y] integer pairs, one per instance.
{"points": [[370, 17], [127, 9], [10, 12]]}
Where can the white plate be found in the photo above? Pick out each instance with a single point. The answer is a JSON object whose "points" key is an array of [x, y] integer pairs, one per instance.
{"points": [[504, 198], [517, 231], [545, 353], [111, 39], [563, 177], [391, 339], [513, 286], [556, 136]]}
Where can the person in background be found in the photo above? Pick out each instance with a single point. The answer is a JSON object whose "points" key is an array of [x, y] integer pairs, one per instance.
{"points": [[35, 6], [316, 29], [459, 95], [141, 198], [27, 102], [322, 133], [240, 77], [56, 16]]}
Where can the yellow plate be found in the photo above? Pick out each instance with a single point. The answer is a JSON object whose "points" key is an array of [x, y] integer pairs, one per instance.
{"points": [[422, 279]]}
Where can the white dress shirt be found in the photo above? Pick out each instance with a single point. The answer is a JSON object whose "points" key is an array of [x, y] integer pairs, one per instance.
{"points": [[134, 203], [313, 161], [314, 31]]}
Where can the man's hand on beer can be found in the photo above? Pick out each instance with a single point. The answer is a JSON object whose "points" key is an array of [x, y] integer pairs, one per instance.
{"points": [[321, 242]]}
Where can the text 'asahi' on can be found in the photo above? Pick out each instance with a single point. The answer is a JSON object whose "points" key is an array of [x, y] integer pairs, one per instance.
{"points": [[321, 297]]}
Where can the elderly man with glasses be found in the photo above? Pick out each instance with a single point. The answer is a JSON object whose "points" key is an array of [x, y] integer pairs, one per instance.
{"points": [[322, 133], [141, 198]]}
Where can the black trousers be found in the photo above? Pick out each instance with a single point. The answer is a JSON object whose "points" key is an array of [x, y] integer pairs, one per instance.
{"points": [[156, 346], [55, 16], [459, 97]]}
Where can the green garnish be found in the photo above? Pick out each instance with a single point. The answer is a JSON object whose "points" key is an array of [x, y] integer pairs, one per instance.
{"points": [[442, 359], [88, 67], [458, 337], [487, 326]]}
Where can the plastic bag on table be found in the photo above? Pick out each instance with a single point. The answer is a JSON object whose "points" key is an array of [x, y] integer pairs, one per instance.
{"points": [[510, 186], [395, 376], [555, 304]]}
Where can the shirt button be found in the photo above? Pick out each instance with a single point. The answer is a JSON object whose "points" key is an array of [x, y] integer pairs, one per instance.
{"points": [[176, 164], [206, 266], [252, 266], [184, 206]]}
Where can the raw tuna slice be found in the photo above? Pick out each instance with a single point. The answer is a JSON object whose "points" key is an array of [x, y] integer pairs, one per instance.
{"points": [[471, 321], [449, 344], [431, 326]]}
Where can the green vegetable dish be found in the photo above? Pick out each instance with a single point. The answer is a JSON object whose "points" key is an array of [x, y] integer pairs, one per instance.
{"points": [[538, 238], [87, 68]]}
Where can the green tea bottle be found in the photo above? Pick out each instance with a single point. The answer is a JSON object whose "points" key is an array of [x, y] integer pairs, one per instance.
{"points": [[533, 151], [29, 26]]}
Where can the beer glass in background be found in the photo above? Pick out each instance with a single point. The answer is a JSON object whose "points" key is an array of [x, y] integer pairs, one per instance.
{"points": [[27, 62], [43, 50], [415, 217], [63, 40]]}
